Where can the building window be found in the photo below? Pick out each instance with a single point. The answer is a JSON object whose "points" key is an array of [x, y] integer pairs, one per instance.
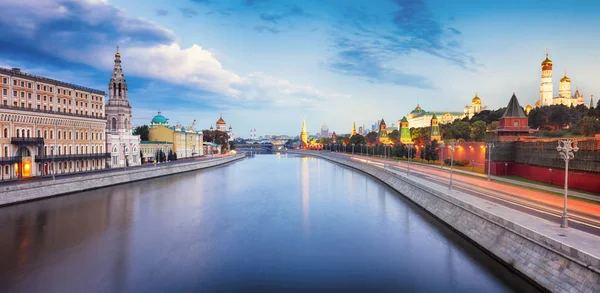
{"points": [[15, 82], [38, 87], [51, 134], [39, 133], [50, 99], [59, 132], [38, 97], [51, 89], [22, 84], [4, 80], [14, 93], [5, 92], [29, 95], [6, 154], [5, 132], [516, 123], [44, 98], [29, 85], [38, 107], [44, 88], [45, 133]]}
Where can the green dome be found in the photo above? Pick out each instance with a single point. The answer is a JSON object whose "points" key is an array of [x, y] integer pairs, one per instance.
{"points": [[159, 119], [182, 129]]}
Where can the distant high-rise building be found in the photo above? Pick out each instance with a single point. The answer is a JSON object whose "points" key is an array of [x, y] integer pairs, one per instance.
{"points": [[324, 130]]}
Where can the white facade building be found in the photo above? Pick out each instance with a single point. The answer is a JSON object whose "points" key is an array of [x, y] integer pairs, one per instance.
{"points": [[123, 146]]}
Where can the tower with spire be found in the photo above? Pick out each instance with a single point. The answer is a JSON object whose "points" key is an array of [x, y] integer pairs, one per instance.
{"points": [[120, 141], [435, 129], [405, 131], [353, 132], [304, 135], [546, 85]]}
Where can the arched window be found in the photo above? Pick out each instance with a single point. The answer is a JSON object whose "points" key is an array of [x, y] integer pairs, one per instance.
{"points": [[86, 136], [28, 133], [114, 89], [59, 134], [76, 149], [126, 127], [45, 133], [39, 133], [51, 134], [113, 124], [70, 150], [119, 89], [18, 133], [6, 151], [5, 132]]}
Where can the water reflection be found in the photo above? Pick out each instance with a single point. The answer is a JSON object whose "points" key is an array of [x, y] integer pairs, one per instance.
{"points": [[252, 226]]}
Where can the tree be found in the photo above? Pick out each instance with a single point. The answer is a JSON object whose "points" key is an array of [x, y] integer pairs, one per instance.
{"points": [[460, 130], [395, 135], [478, 131], [372, 137], [434, 149], [589, 126], [357, 139], [493, 125], [559, 117], [143, 132]]}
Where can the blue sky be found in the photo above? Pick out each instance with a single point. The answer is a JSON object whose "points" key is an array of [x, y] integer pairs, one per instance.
{"points": [[267, 64]]}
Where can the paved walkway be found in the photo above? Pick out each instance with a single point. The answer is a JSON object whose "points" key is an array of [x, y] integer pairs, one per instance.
{"points": [[572, 193]]}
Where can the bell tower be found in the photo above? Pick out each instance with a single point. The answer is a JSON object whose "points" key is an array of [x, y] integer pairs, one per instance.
{"points": [[118, 110], [546, 85]]}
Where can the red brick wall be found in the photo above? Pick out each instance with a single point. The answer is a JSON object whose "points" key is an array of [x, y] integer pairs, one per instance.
{"points": [[577, 180]]}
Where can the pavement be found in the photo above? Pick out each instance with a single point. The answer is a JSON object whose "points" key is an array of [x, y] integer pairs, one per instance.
{"points": [[540, 202], [12, 182]]}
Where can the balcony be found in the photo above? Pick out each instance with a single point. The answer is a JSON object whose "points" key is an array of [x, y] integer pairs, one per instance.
{"points": [[10, 160], [72, 157], [32, 110], [27, 140]]}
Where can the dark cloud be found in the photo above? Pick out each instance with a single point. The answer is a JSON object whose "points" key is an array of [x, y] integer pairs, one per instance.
{"points": [[252, 2], [263, 29], [362, 60], [162, 12], [362, 49], [188, 12], [275, 17], [454, 30]]}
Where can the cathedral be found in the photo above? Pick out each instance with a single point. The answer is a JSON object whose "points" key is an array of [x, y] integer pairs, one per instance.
{"points": [[565, 97], [123, 146]]}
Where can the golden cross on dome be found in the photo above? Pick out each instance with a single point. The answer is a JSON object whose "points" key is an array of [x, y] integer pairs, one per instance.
{"points": [[547, 50], [117, 48]]}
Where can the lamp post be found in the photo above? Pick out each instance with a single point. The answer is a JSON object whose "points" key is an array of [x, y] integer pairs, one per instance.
{"points": [[353, 148], [442, 156], [408, 158], [52, 152], [451, 147], [567, 149], [490, 146]]}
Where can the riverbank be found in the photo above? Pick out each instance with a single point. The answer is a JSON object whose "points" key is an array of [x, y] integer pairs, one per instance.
{"points": [[17, 193], [559, 260]]}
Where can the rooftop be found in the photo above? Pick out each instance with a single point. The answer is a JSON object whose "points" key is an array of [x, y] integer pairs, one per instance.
{"points": [[17, 72]]}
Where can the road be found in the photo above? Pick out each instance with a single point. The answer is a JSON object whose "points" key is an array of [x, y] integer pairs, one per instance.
{"points": [[583, 215]]}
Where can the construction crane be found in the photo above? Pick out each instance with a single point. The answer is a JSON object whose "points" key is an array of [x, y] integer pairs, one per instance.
{"points": [[193, 123]]}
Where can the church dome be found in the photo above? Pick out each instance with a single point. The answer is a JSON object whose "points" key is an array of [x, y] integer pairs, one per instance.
{"points": [[417, 110], [528, 108], [221, 121], [537, 104], [547, 61], [476, 100], [159, 119], [565, 78]]}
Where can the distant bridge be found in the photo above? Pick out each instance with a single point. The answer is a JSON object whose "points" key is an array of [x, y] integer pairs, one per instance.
{"points": [[256, 148]]}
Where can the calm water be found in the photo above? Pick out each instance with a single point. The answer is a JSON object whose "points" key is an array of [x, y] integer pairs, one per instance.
{"points": [[266, 224]]}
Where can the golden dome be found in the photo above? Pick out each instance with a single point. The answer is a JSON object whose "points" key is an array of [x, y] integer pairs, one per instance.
{"points": [[476, 100], [117, 55], [221, 121], [565, 79], [528, 108], [537, 104], [547, 61]]}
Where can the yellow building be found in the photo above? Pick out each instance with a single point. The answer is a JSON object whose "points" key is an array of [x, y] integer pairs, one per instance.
{"points": [[186, 141]]}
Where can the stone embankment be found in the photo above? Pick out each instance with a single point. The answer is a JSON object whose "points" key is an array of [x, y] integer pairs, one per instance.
{"points": [[15, 193], [538, 254]]}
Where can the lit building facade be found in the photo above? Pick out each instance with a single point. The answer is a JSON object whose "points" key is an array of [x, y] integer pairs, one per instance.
{"points": [[186, 141], [49, 126], [222, 126], [565, 97], [151, 148], [123, 145], [420, 118]]}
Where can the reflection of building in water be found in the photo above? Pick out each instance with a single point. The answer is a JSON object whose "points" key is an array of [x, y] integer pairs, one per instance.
{"points": [[305, 192], [32, 234]]}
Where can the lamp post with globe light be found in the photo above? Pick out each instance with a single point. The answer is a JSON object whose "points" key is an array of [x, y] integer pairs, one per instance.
{"points": [[566, 149]]}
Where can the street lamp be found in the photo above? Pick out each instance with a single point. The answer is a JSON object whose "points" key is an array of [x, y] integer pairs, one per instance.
{"points": [[451, 147], [442, 156], [52, 152], [353, 148], [490, 146], [567, 149]]}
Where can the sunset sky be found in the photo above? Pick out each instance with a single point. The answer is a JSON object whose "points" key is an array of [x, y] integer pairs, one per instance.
{"points": [[268, 64]]}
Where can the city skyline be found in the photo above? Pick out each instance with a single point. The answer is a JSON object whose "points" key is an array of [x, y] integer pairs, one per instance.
{"points": [[335, 62]]}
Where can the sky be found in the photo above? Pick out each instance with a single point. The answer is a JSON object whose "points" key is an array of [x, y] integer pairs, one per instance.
{"points": [[269, 64]]}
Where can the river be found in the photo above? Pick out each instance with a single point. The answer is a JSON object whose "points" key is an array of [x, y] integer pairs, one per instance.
{"points": [[272, 223]]}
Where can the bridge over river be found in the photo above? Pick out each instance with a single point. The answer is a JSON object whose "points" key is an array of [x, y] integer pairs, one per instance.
{"points": [[275, 223]]}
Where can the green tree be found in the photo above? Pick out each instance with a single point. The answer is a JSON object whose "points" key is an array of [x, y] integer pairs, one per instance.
{"points": [[395, 135], [478, 131], [372, 137], [357, 140], [493, 125], [460, 130], [142, 131], [434, 149], [589, 126]]}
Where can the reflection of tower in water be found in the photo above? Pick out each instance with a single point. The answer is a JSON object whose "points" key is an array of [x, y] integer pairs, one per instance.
{"points": [[305, 193]]}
